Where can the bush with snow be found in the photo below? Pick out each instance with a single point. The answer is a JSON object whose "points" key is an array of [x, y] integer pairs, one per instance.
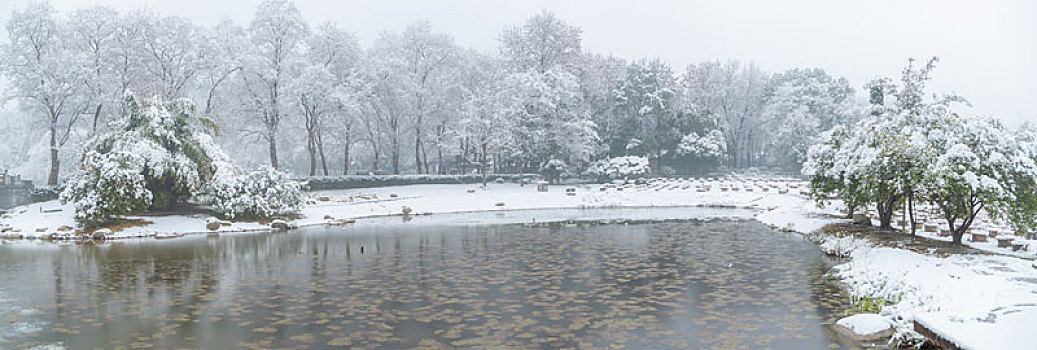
{"points": [[156, 156], [620, 167], [263, 193], [712, 145]]}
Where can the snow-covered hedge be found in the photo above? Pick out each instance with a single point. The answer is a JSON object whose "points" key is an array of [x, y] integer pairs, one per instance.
{"points": [[263, 193], [368, 181], [620, 167]]}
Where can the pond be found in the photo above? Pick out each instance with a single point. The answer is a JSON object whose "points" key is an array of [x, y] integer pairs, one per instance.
{"points": [[714, 283]]}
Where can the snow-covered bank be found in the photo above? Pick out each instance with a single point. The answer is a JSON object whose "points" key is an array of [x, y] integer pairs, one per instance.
{"points": [[976, 301], [778, 202]]}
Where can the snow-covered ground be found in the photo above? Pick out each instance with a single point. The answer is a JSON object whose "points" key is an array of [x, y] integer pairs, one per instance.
{"points": [[976, 301], [777, 202]]}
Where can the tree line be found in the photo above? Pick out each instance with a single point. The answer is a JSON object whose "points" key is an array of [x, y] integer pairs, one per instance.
{"points": [[309, 99]]}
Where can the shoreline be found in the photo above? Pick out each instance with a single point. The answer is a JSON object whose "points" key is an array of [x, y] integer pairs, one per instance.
{"points": [[871, 270]]}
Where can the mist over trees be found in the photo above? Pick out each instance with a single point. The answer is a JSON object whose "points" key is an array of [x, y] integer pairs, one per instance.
{"points": [[310, 100]]}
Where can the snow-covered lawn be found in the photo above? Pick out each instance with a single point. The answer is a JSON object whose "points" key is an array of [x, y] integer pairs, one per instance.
{"points": [[778, 202]]}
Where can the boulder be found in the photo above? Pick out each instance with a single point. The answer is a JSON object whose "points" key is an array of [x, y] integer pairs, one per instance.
{"points": [[406, 210], [101, 234], [41, 229], [861, 219], [471, 190], [323, 198], [865, 327], [66, 228], [328, 217], [499, 204], [212, 224], [279, 224], [394, 195]]}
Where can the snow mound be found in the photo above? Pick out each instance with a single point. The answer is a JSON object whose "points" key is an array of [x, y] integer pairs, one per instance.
{"points": [[841, 246], [865, 324]]}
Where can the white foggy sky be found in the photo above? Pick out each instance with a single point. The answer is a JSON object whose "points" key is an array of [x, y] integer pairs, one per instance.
{"points": [[988, 49]]}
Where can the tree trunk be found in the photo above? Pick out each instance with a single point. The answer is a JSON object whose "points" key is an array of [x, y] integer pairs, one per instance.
{"points": [[323, 159], [440, 170], [345, 163], [273, 151], [311, 150], [424, 155], [911, 209], [482, 164], [417, 150], [885, 210], [396, 161], [97, 118], [55, 164]]}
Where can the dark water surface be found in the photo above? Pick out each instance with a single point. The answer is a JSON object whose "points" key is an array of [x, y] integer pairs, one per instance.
{"points": [[698, 284]]}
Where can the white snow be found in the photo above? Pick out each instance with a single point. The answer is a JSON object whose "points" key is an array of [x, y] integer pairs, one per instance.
{"points": [[865, 324], [976, 301], [789, 210]]}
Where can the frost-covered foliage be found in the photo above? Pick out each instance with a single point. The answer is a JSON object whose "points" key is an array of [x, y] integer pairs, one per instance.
{"points": [[151, 158], [647, 102], [620, 167], [979, 165], [916, 149], [550, 119], [712, 145], [155, 157], [263, 193], [801, 104]]}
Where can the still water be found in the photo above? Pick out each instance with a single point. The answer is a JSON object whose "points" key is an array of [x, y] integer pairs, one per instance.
{"points": [[717, 283]]}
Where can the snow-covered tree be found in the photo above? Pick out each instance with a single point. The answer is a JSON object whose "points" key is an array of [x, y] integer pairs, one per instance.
{"points": [[736, 93], [600, 77], [978, 165], [552, 121], [544, 42], [485, 124], [647, 102], [276, 33], [801, 104], [45, 74]]}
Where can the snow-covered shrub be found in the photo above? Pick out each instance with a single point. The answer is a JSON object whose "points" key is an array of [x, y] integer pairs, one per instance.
{"points": [[111, 185], [263, 193], [159, 155], [712, 145], [149, 158], [620, 167]]}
